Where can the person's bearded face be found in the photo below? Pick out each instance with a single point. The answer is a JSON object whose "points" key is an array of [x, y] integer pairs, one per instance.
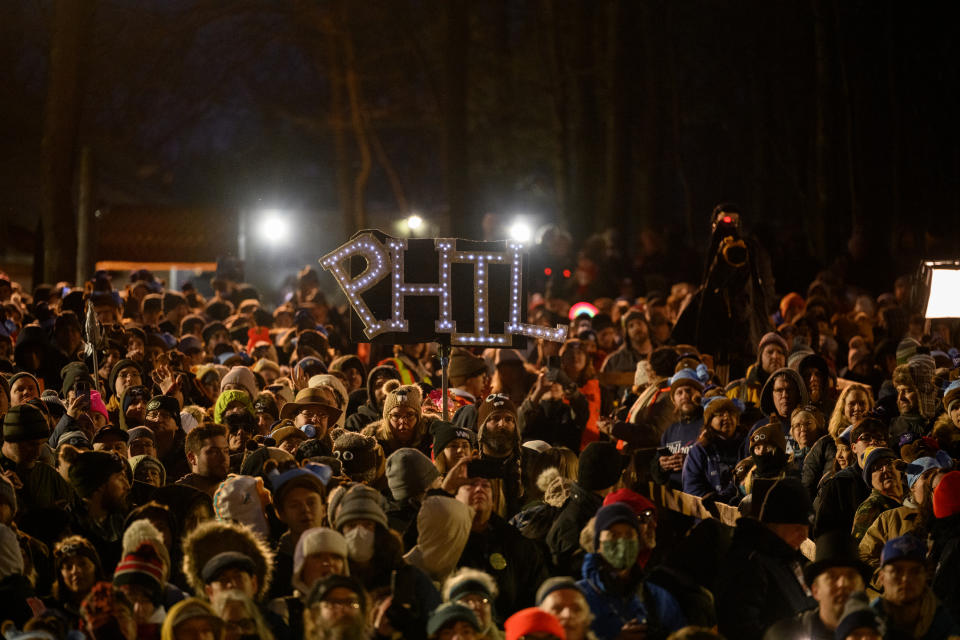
{"points": [[500, 434], [686, 399]]}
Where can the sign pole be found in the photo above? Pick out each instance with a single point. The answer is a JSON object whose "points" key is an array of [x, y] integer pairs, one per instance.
{"points": [[445, 379]]}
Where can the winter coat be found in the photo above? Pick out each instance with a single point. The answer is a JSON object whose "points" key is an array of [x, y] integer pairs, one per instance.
{"points": [[212, 537], [648, 425], [370, 410], [946, 557], [868, 511], [760, 582], [678, 438], [42, 487], [748, 388], [563, 539], [839, 498], [708, 469], [806, 626], [909, 423], [888, 525], [934, 622], [818, 462], [613, 603], [513, 561]]}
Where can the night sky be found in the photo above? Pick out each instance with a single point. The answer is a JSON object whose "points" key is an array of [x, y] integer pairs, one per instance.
{"points": [[819, 118]]}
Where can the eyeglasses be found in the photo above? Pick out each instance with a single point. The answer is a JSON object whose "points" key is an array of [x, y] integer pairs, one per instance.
{"points": [[409, 418], [647, 515], [314, 416], [340, 604], [475, 600]]}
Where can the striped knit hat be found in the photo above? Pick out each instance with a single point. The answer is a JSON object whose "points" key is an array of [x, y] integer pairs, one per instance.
{"points": [[142, 567]]}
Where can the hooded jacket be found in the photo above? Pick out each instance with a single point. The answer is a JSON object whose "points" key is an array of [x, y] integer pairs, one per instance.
{"points": [[614, 604], [371, 410], [840, 497], [444, 526], [769, 408], [759, 582], [213, 537], [708, 469]]}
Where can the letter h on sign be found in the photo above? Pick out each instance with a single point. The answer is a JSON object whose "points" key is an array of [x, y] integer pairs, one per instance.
{"points": [[372, 303]]}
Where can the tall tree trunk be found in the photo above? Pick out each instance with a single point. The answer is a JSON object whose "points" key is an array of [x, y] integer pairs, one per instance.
{"points": [[455, 138], [614, 201], [72, 22], [820, 202]]}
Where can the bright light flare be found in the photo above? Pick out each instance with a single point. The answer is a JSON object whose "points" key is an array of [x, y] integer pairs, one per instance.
{"points": [[521, 231], [944, 286], [274, 227], [414, 222]]}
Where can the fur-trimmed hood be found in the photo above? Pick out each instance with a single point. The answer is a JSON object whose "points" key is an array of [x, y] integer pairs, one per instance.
{"points": [[213, 537]]}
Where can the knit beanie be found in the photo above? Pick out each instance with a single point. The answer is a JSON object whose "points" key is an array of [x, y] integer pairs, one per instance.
{"points": [[24, 374], [92, 469], [872, 456], [25, 422], [463, 365], [906, 349], [115, 371], [72, 546], [142, 567], [144, 531], [359, 455], [445, 432], [946, 497], [224, 400], [631, 314], [449, 613], [495, 403], [637, 502], [600, 466], [530, 621], [11, 559], [243, 377], [686, 378], [467, 581], [616, 513], [145, 462], [312, 542], [97, 405], [408, 396], [857, 614], [358, 502], [771, 434], [786, 502], [558, 583], [409, 473], [772, 337], [71, 373]]}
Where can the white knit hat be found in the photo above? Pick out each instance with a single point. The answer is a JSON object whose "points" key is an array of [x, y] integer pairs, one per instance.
{"points": [[313, 541]]}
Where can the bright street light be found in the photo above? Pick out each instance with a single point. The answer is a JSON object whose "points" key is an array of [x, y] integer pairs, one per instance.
{"points": [[273, 227], [521, 231], [414, 222]]}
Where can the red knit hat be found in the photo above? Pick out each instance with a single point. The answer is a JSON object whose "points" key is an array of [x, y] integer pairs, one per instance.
{"points": [[143, 567], [637, 503], [533, 620], [946, 497]]}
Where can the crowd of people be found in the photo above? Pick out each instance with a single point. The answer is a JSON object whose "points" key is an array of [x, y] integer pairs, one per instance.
{"points": [[222, 468]]}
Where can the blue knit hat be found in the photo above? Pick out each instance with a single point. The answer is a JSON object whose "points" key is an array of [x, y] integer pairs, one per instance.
{"points": [[612, 514]]}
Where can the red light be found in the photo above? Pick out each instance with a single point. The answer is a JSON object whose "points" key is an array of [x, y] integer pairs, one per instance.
{"points": [[727, 219], [548, 271], [566, 273]]}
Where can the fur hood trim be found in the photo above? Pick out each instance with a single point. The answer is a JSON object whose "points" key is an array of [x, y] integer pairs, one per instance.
{"points": [[213, 537], [466, 574]]}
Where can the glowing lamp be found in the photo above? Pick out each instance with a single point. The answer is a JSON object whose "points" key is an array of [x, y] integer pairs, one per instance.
{"points": [[942, 280]]}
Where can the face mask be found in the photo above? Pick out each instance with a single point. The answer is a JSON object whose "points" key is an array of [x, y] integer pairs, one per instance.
{"points": [[360, 544], [621, 553], [770, 463]]}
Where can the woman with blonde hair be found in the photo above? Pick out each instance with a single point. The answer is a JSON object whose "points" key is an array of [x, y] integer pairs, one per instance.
{"points": [[852, 406]]}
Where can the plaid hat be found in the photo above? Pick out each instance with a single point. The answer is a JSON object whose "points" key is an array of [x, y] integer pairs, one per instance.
{"points": [[92, 469], [903, 548], [25, 422]]}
